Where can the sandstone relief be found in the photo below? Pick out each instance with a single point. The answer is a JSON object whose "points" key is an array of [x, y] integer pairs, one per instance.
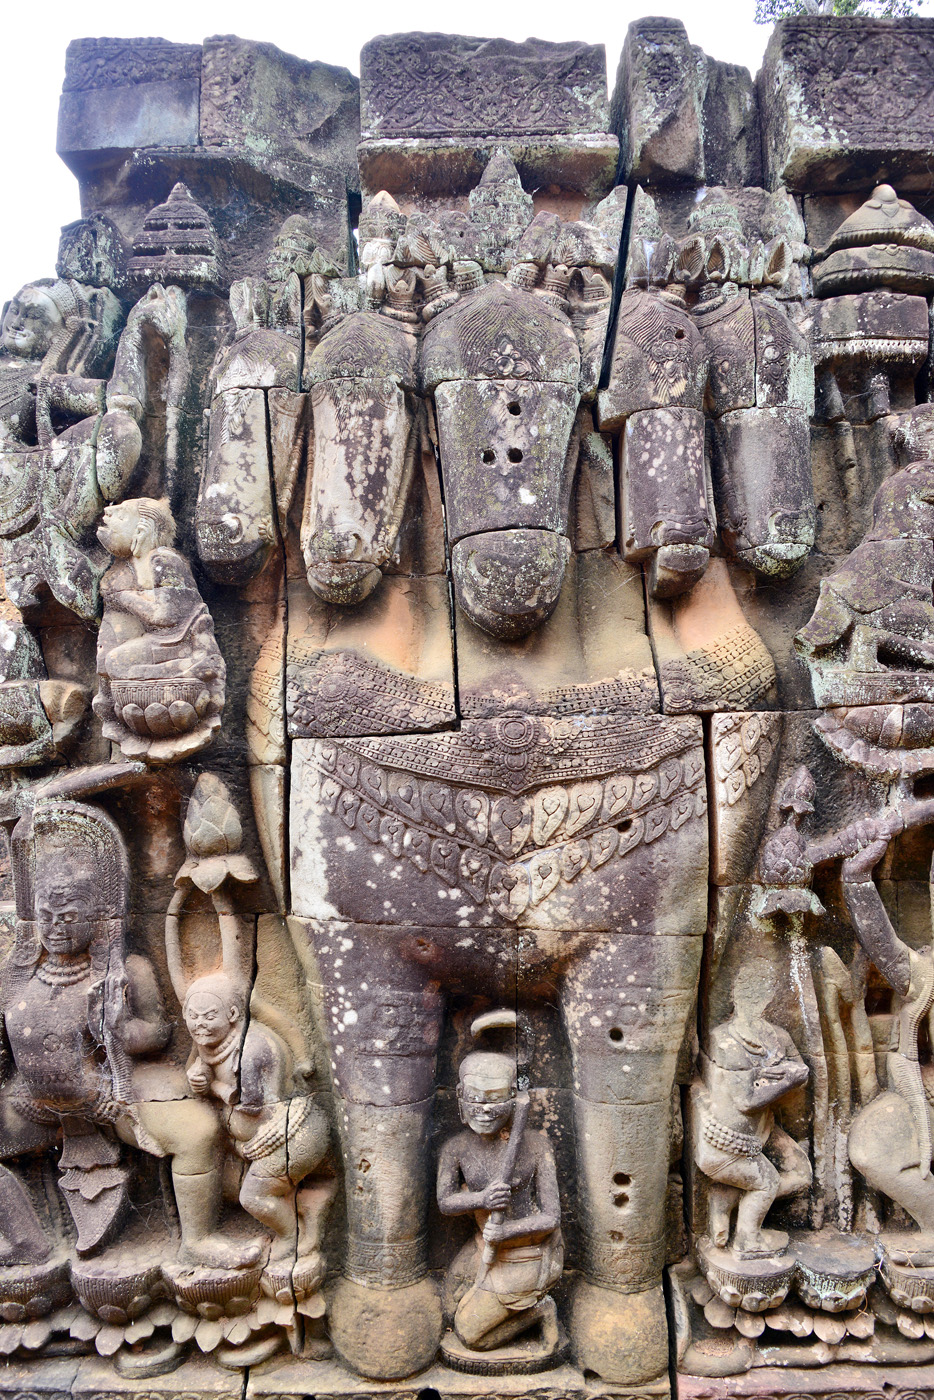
{"points": [[467, 726]]}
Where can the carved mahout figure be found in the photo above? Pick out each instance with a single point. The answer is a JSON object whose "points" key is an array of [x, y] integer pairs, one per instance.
{"points": [[54, 430], [161, 673], [84, 1022], [747, 1067], [248, 1058], [871, 636], [504, 1174]]}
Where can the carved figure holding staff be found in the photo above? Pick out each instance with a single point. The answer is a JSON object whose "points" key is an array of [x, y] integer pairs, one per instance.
{"points": [[504, 1173]]}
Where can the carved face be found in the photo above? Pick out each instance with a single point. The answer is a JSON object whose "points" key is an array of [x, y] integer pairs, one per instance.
{"points": [[209, 1017], [484, 1109], [31, 319], [118, 529], [67, 908]]}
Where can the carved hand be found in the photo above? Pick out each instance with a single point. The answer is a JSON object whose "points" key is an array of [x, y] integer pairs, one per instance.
{"points": [[115, 1000], [199, 1077], [493, 1232], [497, 1196]]}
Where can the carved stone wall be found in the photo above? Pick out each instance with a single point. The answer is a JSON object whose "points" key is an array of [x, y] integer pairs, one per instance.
{"points": [[467, 726]]}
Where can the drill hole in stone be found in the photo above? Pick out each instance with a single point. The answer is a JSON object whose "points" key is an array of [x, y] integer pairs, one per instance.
{"points": [[616, 1034], [488, 455], [514, 408], [514, 454]]}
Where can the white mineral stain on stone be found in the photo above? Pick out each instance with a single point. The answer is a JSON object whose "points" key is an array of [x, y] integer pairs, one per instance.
{"points": [[309, 871]]}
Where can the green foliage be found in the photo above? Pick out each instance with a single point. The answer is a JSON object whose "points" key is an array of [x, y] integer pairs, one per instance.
{"points": [[768, 11]]}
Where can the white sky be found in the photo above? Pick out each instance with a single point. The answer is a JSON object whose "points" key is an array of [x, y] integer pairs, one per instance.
{"points": [[42, 194]]}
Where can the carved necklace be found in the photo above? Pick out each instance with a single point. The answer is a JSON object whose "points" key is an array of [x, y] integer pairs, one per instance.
{"points": [[64, 974], [223, 1051]]}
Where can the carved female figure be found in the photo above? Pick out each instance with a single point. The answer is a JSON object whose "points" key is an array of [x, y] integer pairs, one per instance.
{"points": [[81, 1016]]}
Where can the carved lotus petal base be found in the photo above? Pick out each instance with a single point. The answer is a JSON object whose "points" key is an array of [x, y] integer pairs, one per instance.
{"points": [[212, 1292], [751, 1284], [116, 1289], [159, 751], [907, 1270], [28, 1291], [834, 1272]]}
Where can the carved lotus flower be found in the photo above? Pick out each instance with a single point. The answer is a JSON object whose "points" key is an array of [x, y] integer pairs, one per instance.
{"points": [[213, 835]]}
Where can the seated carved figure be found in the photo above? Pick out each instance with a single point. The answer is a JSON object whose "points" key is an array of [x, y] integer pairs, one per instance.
{"points": [[161, 672], [504, 1174], [749, 1065], [81, 1019], [37, 715]]}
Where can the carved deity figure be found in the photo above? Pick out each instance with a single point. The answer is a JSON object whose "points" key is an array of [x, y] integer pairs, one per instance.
{"points": [[83, 1020], [161, 672], [503, 1173], [53, 431], [749, 1065]]}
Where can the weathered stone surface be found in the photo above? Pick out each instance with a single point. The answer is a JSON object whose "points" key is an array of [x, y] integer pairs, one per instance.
{"points": [[480, 87], [256, 98], [830, 116], [513, 672], [681, 117], [122, 94]]}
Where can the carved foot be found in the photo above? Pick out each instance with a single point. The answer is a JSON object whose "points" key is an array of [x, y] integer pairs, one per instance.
{"points": [[760, 1245], [523, 1353], [914, 1249], [386, 1333], [215, 1252], [623, 1337]]}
